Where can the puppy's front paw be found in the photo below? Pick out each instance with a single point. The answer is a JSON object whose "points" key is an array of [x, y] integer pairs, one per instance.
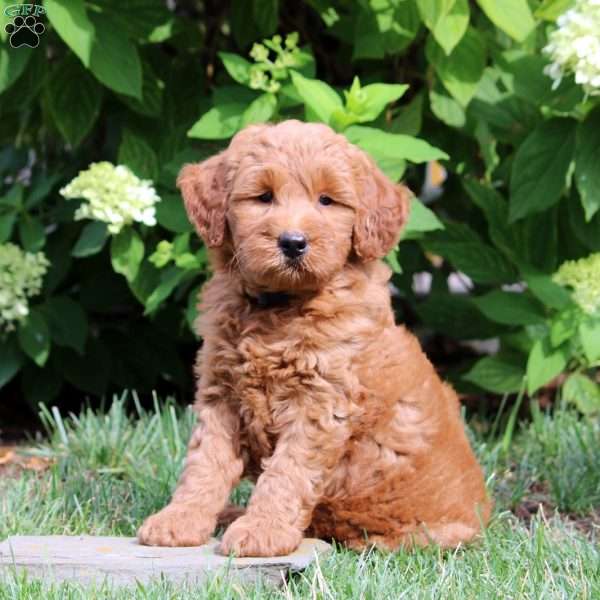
{"points": [[177, 525], [259, 536]]}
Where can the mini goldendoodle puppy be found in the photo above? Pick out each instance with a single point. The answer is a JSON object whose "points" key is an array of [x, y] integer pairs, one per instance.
{"points": [[305, 384]]}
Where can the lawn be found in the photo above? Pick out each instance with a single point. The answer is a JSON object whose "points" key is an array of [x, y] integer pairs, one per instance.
{"points": [[108, 471]]}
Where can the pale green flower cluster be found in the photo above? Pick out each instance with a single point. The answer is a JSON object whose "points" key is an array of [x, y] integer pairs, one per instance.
{"points": [[575, 46], [583, 277], [114, 195], [266, 74], [21, 275]]}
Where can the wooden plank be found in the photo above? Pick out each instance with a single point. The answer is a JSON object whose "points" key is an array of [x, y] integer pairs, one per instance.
{"points": [[122, 561]]}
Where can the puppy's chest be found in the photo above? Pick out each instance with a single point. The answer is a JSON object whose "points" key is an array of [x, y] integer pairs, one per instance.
{"points": [[270, 377]]}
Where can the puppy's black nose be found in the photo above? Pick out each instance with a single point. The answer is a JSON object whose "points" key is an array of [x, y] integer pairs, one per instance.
{"points": [[293, 244]]}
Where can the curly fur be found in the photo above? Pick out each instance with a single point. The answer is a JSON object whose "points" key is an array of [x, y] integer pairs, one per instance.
{"points": [[330, 407]]}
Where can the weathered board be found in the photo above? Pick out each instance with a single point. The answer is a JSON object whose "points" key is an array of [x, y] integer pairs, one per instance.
{"points": [[122, 561]]}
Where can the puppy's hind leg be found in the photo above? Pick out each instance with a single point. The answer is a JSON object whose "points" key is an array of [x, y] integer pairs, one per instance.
{"points": [[444, 535]]}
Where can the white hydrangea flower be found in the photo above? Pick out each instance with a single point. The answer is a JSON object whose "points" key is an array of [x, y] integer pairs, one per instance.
{"points": [[21, 275], [583, 277], [114, 195], [575, 46]]}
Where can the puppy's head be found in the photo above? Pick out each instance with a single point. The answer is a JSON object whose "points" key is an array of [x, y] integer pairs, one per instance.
{"points": [[289, 204]]}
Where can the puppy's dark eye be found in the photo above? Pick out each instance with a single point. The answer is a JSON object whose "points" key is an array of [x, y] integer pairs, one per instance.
{"points": [[267, 197], [325, 200]]}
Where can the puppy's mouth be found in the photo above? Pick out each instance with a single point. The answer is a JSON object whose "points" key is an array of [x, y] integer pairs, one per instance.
{"points": [[296, 263], [271, 264]]}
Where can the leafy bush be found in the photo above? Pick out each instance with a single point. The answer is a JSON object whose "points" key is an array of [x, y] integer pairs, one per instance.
{"points": [[499, 137]]}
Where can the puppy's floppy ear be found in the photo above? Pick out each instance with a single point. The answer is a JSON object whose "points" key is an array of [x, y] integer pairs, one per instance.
{"points": [[382, 211], [204, 189]]}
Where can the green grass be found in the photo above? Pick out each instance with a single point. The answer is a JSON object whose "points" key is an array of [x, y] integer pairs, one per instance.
{"points": [[111, 470]]}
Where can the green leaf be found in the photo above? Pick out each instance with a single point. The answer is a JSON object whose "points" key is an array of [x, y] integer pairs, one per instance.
{"points": [[58, 252], [446, 19], [34, 337], [481, 262], [462, 70], [141, 20], [432, 11], [409, 118], [455, 315], [508, 117], [32, 233], [237, 67], [587, 163], [260, 111], [366, 103], [546, 290], [393, 145], [169, 279], [518, 241], [550, 10], [41, 186], [74, 108], [115, 60], [524, 74], [588, 233], [392, 260], [321, 99], [496, 374], [138, 155], [544, 363], [191, 312], [12, 63], [11, 360], [242, 26], [512, 16], [420, 220], [150, 105], [146, 282], [540, 168], [127, 252], [14, 197], [509, 308], [170, 213], [7, 223], [219, 123], [589, 334], [564, 326], [266, 16], [488, 147], [70, 19], [584, 393], [91, 240], [447, 109], [67, 322], [384, 27]]}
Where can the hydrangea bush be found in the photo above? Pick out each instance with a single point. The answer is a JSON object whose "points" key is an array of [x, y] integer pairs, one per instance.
{"points": [[21, 275], [583, 277], [490, 115], [113, 195], [574, 46]]}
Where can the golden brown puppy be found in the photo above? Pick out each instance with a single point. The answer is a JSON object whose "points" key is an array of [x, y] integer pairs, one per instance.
{"points": [[306, 385]]}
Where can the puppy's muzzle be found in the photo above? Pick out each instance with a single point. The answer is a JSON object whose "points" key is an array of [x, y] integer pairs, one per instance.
{"points": [[293, 244]]}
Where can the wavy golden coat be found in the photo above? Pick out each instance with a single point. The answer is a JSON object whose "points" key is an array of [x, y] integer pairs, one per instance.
{"points": [[305, 384]]}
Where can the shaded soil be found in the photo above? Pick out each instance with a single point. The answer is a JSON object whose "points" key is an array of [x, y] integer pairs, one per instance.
{"points": [[15, 459], [538, 501]]}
